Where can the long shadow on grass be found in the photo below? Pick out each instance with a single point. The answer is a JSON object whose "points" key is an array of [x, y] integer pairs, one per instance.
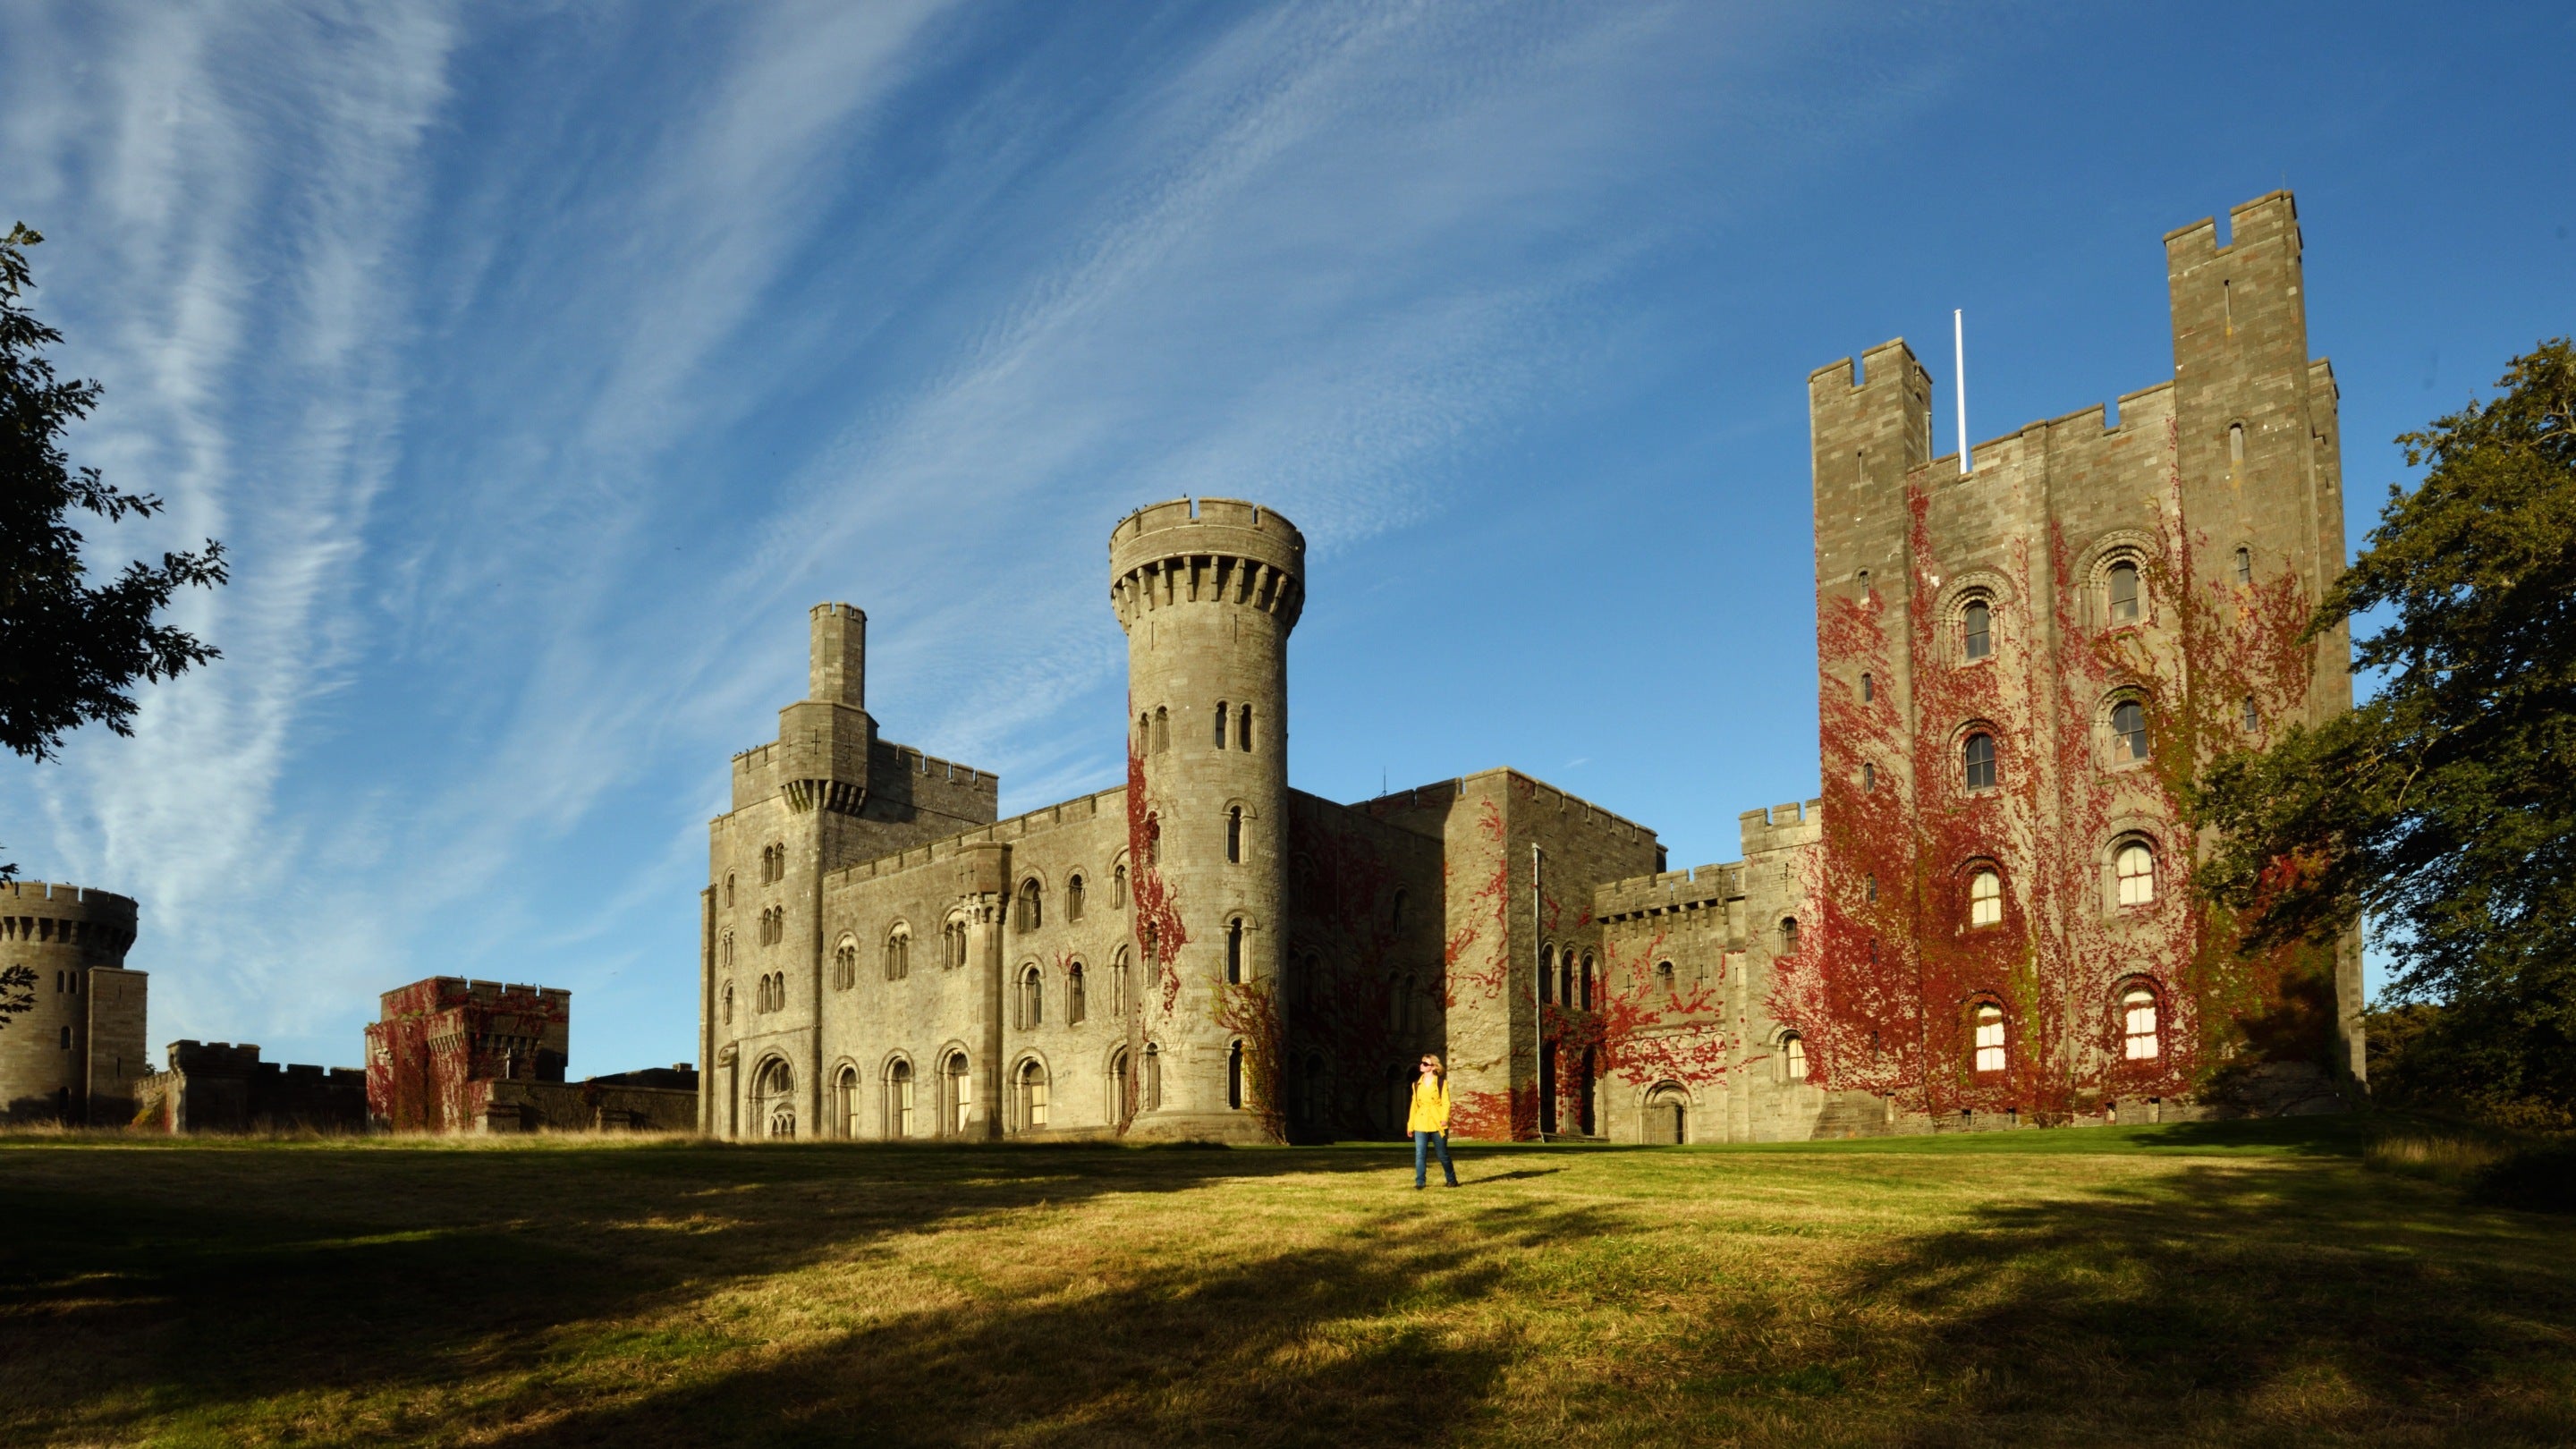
{"points": [[193, 1280], [2216, 1304], [1316, 1346]]}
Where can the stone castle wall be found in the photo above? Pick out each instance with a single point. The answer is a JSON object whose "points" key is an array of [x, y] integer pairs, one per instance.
{"points": [[77, 1055], [1261, 963]]}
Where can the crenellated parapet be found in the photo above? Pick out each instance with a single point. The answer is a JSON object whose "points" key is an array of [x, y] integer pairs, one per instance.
{"points": [[98, 924], [1207, 551]]}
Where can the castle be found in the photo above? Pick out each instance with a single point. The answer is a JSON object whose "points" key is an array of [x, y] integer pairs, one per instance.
{"points": [[76, 1054], [1983, 922]]}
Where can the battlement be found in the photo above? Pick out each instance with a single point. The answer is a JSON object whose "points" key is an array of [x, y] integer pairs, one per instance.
{"points": [[914, 761], [60, 900], [1213, 550], [1081, 808], [1781, 826], [439, 993], [2270, 213], [212, 1059], [1204, 512], [1671, 890], [1891, 359]]}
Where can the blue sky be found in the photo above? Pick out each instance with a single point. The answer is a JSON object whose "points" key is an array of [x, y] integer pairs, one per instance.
{"points": [[542, 363]]}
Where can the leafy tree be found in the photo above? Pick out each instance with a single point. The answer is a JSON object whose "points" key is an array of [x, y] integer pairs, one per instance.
{"points": [[69, 653], [2444, 807]]}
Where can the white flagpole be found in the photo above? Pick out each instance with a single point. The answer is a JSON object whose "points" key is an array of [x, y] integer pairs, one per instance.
{"points": [[1959, 379]]}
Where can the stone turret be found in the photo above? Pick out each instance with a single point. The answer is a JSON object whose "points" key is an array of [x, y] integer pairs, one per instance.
{"points": [[1207, 594], [76, 1056]]}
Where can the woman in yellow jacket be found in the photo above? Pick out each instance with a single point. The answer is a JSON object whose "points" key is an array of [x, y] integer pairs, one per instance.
{"points": [[1429, 1120]]}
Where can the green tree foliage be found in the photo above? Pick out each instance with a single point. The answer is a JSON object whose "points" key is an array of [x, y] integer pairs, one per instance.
{"points": [[2443, 807], [70, 652]]}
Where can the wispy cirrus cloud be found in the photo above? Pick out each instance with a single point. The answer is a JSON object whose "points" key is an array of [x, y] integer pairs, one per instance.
{"points": [[540, 368]]}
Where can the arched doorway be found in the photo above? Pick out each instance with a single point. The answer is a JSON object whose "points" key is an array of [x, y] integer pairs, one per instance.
{"points": [[1032, 1085], [1667, 1114], [773, 1099]]}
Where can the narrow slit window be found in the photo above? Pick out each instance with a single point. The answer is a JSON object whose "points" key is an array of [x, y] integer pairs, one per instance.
{"points": [[1868, 776], [1220, 724], [2253, 717], [1868, 689], [2235, 444], [2244, 565], [1234, 952], [1234, 835], [1243, 728]]}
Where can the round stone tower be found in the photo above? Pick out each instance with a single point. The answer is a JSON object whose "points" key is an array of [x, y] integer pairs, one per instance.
{"points": [[76, 1054], [1207, 594]]}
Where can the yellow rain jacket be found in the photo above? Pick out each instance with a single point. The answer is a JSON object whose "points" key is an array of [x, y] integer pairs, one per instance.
{"points": [[1430, 1106]]}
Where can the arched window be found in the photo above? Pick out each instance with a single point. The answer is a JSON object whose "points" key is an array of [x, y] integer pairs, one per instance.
{"points": [[1153, 841], [1118, 887], [1118, 984], [1547, 973], [952, 942], [1072, 899], [1788, 935], [1243, 729], [1162, 730], [845, 1102], [1868, 689], [898, 1099], [1234, 1076], [728, 888], [724, 950], [1793, 1057], [1032, 904], [1074, 1006], [2235, 444], [1033, 1095], [728, 1003], [1234, 835], [1565, 977], [1664, 975], [2244, 564], [1985, 898], [1220, 724], [1977, 756], [1395, 916], [845, 965], [2129, 730], [1587, 981], [1032, 997], [1989, 1039], [1868, 776], [1977, 635], [898, 953], [2134, 868], [1234, 952], [2124, 593], [2251, 718], [2140, 1040], [1153, 1083], [959, 1087]]}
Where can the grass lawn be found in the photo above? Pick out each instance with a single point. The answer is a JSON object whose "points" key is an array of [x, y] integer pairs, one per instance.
{"points": [[2254, 1283]]}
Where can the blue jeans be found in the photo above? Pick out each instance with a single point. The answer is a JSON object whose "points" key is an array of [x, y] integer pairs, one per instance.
{"points": [[1432, 1140]]}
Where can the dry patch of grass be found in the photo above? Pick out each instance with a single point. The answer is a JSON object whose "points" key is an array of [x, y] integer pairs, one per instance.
{"points": [[2236, 1285]]}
